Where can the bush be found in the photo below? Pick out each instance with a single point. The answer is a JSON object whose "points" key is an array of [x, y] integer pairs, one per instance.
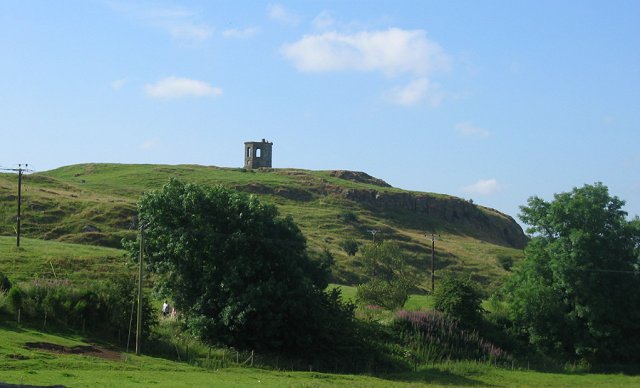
{"points": [[103, 308], [390, 279], [380, 293], [349, 216], [506, 262], [15, 296], [350, 246], [460, 299], [5, 284]]}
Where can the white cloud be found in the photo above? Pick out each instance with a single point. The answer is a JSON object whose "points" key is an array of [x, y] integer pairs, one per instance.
{"points": [[150, 144], [179, 22], [176, 87], [483, 187], [410, 94], [118, 84], [469, 130], [245, 33], [282, 15], [393, 51], [323, 21]]}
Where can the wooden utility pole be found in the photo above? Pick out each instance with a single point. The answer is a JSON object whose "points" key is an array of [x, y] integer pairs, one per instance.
{"points": [[20, 171], [433, 262], [373, 234]]}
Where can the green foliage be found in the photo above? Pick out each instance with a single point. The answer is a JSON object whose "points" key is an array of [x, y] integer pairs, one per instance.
{"points": [[459, 298], [390, 278], [577, 293], [15, 296], [104, 308], [5, 283], [350, 246], [349, 216], [506, 262], [238, 272]]}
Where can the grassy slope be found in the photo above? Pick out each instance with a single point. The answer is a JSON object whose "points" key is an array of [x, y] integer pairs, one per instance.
{"points": [[79, 264], [19, 365], [59, 203]]}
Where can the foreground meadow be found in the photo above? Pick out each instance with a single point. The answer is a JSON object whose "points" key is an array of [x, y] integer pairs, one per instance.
{"points": [[20, 364]]}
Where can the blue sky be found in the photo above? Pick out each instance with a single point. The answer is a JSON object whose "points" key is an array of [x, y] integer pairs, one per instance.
{"points": [[493, 101]]}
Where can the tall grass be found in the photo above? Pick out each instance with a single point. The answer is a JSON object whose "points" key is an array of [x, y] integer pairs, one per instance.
{"points": [[430, 336]]}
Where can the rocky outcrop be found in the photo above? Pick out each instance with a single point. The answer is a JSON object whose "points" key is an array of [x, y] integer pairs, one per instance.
{"points": [[360, 177], [480, 222]]}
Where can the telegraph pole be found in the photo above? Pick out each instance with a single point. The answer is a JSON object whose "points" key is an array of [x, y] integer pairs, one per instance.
{"points": [[373, 234], [20, 171], [433, 262]]}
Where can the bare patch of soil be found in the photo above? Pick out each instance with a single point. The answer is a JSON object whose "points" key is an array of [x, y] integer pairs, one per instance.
{"points": [[86, 350]]}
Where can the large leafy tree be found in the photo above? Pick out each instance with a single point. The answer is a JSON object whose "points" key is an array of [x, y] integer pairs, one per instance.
{"points": [[577, 293], [237, 271]]}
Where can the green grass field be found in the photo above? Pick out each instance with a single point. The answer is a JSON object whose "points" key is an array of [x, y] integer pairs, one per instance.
{"points": [[80, 264], [19, 365]]}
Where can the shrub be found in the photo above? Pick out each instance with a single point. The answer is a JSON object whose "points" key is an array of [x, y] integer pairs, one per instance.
{"points": [[103, 308], [460, 299], [5, 284], [506, 262], [350, 246], [349, 216], [380, 293], [15, 296], [390, 279]]}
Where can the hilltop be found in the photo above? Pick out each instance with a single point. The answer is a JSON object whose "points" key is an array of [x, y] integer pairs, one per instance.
{"points": [[96, 204]]}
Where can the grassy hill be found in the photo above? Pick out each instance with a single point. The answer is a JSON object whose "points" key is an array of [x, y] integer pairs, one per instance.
{"points": [[96, 204]]}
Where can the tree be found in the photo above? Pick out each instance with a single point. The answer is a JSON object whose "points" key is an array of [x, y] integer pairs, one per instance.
{"points": [[460, 299], [577, 292], [237, 271], [390, 279]]}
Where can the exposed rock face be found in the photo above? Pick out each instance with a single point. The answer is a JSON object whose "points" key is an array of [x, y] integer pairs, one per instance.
{"points": [[488, 223], [360, 177]]}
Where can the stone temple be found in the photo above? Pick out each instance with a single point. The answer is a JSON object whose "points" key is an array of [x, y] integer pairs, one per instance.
{"points": [[257, 154]]}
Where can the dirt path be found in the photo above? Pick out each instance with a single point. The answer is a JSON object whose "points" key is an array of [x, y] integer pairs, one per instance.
{"points": [[87, 350]]}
